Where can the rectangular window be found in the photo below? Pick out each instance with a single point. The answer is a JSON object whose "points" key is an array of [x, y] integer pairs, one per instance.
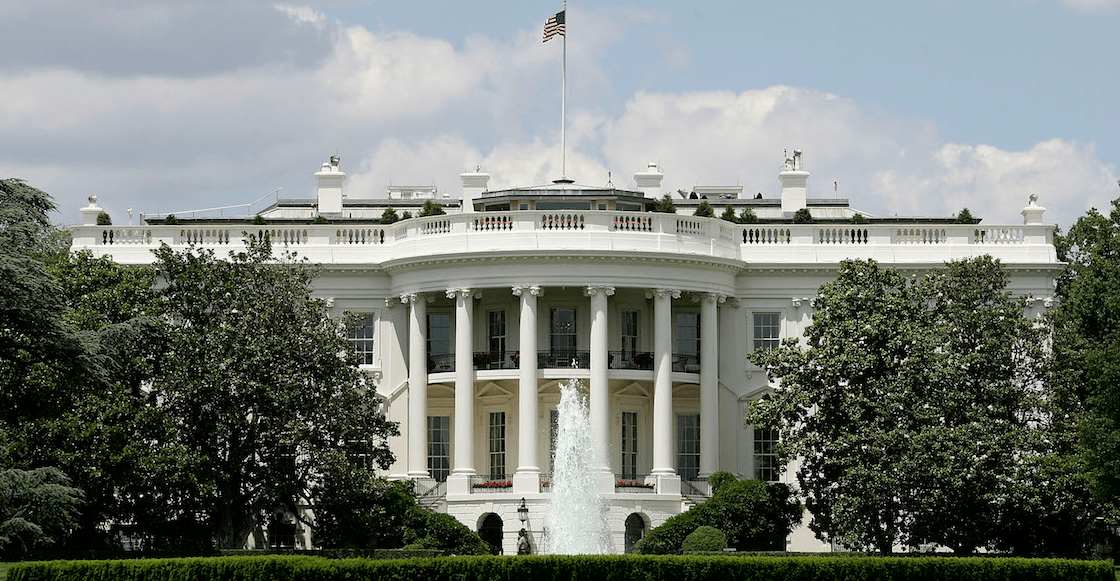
{"points": [[688, 446], [630, 445], [563, 336], [766, 454], [553, 430], [767, 327], [359, 453], [440, 357], [688, 334], [630, 342], [496, 334], [497, 445], [362, 337], [439, 447]]}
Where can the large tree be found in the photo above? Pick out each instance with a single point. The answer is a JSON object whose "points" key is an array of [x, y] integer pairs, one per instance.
{"points": [[907, 404], [264, 386], [1086, 325]]}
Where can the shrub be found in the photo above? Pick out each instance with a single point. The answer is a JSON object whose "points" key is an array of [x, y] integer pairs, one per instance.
{"points": [[389, 216], [320, 220], [965, 217], [104, 219], [747, 216], [859, 219], [705, 210], [431, 208], [728, 215], [803, 216], [258, 220], [171, 220], [718, 479], [434, 530], [704, 539], [406, 215], [754, 515], [665, 205]]}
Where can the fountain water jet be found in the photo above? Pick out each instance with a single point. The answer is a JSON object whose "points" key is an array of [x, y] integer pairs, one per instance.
{"points": [[576, 522]]}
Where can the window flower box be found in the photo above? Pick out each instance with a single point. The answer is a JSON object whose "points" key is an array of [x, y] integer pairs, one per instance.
{"points": [[493, 484], [633, 484], [482, 360]]}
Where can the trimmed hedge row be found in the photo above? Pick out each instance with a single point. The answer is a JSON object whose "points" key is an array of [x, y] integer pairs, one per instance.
{"points": [[569, 568]]}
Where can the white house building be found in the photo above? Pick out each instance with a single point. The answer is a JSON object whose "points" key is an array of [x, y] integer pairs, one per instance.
{"points": [[474, 317]]}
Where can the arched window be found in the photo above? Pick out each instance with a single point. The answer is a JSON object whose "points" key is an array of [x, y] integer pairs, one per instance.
{"points": [[491, 531]]}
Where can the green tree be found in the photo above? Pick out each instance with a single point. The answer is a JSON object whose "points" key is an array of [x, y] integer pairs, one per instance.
{"points": [[705, 210], [264, 386], [965, 217], [908, 403], [431, 208], [728, 215], [104, 219], [38, 508], [665, 205], [803, 216], [389, 216], [1086, 326]]}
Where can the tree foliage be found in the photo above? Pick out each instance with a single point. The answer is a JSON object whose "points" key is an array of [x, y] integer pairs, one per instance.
{"points": [[665, 205], [38, 509], [265, 386], [1087, 342], [909, 403], [803, 216], [431, 208], [704, 210]]}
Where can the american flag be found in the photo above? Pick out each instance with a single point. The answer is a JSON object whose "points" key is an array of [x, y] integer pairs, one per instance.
{"points": [[554, 26]]}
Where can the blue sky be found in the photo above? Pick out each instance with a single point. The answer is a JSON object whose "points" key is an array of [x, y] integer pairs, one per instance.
{"points": [[909, 108]]}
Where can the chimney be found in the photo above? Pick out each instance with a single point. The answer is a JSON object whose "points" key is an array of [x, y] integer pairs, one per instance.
{"points": [[91, 212], [793, 180], [649, 181], [473, 185], [330, 180]]}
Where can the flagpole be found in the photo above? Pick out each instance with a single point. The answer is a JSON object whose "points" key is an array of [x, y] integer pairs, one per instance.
{"points": [[564, 101]]}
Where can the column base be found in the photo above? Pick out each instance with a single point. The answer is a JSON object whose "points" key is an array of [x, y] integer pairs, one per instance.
{"points": [[666, 483], [527, 483], [604, 482], [459, 484]]}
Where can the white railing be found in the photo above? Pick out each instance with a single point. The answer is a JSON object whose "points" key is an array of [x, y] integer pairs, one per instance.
{"points": [[632, 232]]}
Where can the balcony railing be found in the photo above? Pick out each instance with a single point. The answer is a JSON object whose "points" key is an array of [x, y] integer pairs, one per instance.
{"points": [[528, 229], [484, 483], [565, 359], [642, 360]]}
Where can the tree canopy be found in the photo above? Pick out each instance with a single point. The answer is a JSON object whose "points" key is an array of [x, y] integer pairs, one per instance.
{"points": [[909, 403]]}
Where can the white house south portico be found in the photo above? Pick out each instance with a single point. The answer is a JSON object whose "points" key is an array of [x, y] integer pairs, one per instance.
{"points": [[473, 317]]}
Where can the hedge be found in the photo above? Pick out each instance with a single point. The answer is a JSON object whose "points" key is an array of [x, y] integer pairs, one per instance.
{"points": [[569, 568]]}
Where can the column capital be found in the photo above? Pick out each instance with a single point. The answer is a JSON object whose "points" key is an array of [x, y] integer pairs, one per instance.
{"points": [[410, 298], [709, 297], [533, 290], [661, 292], [591, 291], [463, 292]]}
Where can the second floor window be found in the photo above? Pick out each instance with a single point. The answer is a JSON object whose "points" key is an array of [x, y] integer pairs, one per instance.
{"points": [[563, 336], [688, 334], [362, 337], [767, 327], [439, 334], [496, 332], [630, 341]]}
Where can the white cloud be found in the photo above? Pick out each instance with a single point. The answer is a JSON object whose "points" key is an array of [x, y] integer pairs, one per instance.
{"points": [[302, 14], [1092, 6]]}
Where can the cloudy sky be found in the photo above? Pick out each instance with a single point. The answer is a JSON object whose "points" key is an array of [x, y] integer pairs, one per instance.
{"points": [[909, 108]]}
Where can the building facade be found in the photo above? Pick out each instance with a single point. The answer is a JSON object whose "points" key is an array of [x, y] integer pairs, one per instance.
{"points": [[471, 319]]}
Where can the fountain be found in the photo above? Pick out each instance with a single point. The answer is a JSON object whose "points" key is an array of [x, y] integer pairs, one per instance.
{"points": [[576, 522]]}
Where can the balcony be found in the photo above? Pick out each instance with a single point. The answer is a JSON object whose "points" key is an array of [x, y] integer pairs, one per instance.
{"points": [[564, 359]]}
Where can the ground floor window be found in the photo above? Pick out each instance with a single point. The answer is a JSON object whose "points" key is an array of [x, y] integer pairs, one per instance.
{"points": [[629, 445], [439, 447], [766, 466], [497, 445], [688, 446]]}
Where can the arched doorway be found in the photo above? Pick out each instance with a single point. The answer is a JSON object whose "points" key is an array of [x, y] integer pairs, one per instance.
{"points": [[491, 532], [635, 530]]}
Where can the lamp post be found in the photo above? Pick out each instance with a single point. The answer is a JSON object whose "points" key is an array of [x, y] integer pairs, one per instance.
{"points": [[523, 513]]}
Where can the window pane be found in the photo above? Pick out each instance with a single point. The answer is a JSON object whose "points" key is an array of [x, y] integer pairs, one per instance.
{"points": [[688, 446], [439, 334], [688, 334], [497, 445], [362, 337], [630, 445], [563, 337], [439, 447], [766, 454], [767, 327]]}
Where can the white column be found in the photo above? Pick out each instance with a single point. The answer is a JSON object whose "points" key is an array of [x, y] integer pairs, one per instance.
{"points": [[709, 383], [599, 394], [417, 386], [464, 380], [527, 477], [663, 382]]}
